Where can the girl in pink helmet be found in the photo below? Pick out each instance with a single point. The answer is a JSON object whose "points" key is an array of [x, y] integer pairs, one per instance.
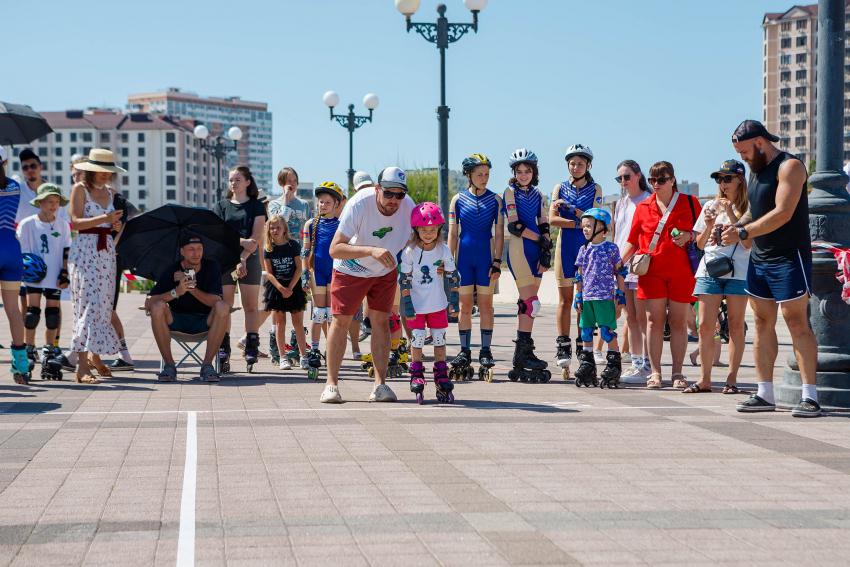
{"points": [[423, 296]]}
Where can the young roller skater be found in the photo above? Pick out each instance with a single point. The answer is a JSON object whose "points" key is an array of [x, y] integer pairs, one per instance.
{"points": [[472, 216], [529, 255], [423, 296], [599, 280]]}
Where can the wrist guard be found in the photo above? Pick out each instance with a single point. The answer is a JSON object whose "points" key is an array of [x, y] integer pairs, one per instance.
{"points": [[543, 227], [516, 228], [544, 243], [305, 278], [576, 279], [495, 269], [407, 309], [577, 302], [63, 277], [623, 271], [621, 297], [305, 252], [546, 259]]}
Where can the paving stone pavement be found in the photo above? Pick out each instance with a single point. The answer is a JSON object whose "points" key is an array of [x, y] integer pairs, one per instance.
{"points": [[512, 474]]}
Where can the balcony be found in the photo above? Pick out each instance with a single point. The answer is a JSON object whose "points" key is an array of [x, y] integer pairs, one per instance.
{"points": [[783, 99], [783, 116], [847, 129], [783, 33], [802, 114], [783, 65]]}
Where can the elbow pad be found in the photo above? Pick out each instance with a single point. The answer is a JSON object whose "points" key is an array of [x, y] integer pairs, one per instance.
{"points": [[516, 228]]}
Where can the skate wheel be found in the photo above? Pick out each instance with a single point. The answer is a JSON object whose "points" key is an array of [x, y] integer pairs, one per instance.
{"points": [[489, 374], [313, 373], [451, 398], [602, 385], [578, 383], [523, 378], [546, 376], [470, 372], [250, 368], [419, 399], [513, 376], [371, 372], [364, 366], [565, 374], [453, 375]]}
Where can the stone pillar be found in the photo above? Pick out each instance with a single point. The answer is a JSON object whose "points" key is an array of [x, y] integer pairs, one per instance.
{"points": [[829, 221]]}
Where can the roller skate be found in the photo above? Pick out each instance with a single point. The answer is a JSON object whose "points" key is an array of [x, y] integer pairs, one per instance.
{"points": [[274, 352], [224, 354], [63, 360], [32, 357], [417, 380], [393, 366], [252, 350], [564, 355], [486, 362], [403, 355], [20, 368], [365, 329], [292, 348], [586, 373], [443, 384], [527, 367], [314, 362], [462, 366], [366, 363], [612, 370], [51, 369]]}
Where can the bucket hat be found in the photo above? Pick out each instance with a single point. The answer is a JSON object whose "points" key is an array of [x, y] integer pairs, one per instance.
{"points": [[47, 189]]}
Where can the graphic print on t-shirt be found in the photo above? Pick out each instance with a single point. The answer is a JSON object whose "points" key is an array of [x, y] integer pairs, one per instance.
{"points": [[383, 232]]}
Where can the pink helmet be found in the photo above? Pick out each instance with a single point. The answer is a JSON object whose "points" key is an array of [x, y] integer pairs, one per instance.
{"points": [[426, 214]]}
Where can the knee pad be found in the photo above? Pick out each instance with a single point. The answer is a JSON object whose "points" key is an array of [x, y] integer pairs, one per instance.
{"points": [[32, 317], [328, 315], [530, 306], [395, 322], [587, 334], [52, 317], [607, 334], [418, 340], [319, 315], [439, 337]]}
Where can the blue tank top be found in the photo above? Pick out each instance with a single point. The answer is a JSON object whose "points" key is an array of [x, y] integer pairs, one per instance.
{"points": [[324, 235], [9, 198], [583, 199], [529, 206], [476, 217]]}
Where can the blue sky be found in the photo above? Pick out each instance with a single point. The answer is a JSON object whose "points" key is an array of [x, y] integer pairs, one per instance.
{"points": [[651, 80]]}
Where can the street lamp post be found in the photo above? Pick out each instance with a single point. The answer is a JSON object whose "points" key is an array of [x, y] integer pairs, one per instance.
{"points": [[829, 221], [351, 123], [218, 148], [442, 33]]}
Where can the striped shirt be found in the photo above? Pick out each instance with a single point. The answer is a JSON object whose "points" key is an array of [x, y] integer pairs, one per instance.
{"points": [[9, 198], [585, 198]]}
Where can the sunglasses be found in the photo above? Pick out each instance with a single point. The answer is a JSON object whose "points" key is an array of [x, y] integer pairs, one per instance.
{"points": [[393, 194], [625, 177], [32, 166], [724, 179], [659, 180]]}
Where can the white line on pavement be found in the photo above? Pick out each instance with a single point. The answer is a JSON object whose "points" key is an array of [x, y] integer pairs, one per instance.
{"points": [[186, 539]]}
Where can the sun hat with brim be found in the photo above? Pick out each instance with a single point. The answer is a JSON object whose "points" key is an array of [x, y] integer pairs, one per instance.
{"points": [[99, 160], [47, 189], [262, 197]]}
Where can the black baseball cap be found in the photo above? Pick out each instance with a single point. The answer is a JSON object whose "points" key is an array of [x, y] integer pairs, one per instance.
{"points": [[749, 129], [187, 238], [730, 167], [28, 154]]}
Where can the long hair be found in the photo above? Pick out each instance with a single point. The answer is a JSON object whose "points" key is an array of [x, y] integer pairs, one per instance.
{"points": [[663, 169], [633, 165], [89, 179], [311, 259], [2, 175], [534, 174], [587, 176], [421, 243], [741, 202], [284, 173], [253, 191], [269, 246]]}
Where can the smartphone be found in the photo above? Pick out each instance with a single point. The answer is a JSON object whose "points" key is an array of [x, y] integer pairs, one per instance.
{"points": [[718, 235]]}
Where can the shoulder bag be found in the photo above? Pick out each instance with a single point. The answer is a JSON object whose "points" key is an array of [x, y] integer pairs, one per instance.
{"points": [[639, 263]]}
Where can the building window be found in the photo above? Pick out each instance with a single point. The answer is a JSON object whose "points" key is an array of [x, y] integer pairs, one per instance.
{"points": [[141, 152], [126, 194], [785, 26], [125, 180], [171, 166], [188, 196], [57, 166], [785, 76], [800, 108], [800, 92], [141, 180], [141, 136], [800, 125], [16, 166], [205, 183], [57, 151], [171, 180], [87, 137], [188, 154], [846, 121], [125, 152], [801, 41], [170, 152], [86, 150], [188, 140], [104, 136], [45, 165], [73, 150], [125, 165], [800, 141], [73, 136], [196, 184], [142, 208], [195, 170], [170, 137], [800, 75], [784, 126], [802, 24], [57, 179], [141, 166], [188, 168], [142, 194], [784, 59], [801, 58], [171, 194], [785, 43], [57, 137], [785, 93], [125, 137]]}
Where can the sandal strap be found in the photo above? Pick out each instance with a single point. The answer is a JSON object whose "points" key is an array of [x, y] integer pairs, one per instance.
{"points": [[208, 369], [165, 368]]}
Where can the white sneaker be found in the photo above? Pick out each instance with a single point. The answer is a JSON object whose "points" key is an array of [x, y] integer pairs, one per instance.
{"points": [[635, 375], [284, 363], [598, 358], [331, 395], [626, 357], [305, 363], [382, 393]]}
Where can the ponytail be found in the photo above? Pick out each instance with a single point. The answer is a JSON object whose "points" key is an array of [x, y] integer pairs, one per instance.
{"points": [[311, 259]]}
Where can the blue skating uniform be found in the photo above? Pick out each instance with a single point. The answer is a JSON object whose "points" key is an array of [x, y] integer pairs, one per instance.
{"points": [[571, 239], [475, 218], [11, 262], [523, 253], [323, 263]]}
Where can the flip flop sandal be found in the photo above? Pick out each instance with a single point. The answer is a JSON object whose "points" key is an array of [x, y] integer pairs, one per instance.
{"points": [[652, 383], [167, 374], [695, 389], [208, 373], [681, 382], [86, 379], [731, 389]]}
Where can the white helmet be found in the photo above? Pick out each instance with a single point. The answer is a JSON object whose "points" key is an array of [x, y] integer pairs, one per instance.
{"points": [[520, 156], [579, 150]]}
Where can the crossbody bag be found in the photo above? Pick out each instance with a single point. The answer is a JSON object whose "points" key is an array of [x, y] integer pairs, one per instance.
{"points": [[639, 263]]}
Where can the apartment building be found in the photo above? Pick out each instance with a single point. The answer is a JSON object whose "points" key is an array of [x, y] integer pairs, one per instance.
{"points": [[161, 155], [790, 79], [219, 115]]}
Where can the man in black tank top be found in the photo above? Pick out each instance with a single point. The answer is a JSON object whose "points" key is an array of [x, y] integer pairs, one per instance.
{"points": [[780, 263]]}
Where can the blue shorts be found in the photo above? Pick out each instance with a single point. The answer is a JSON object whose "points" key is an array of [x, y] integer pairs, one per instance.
{"points": [[780, 281], [570, 242], [720, 286], [323, 279], [11, 261], [473, 264], [189, 323]]}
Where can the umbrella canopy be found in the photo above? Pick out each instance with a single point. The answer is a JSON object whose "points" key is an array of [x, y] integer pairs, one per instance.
{"points": [[151, 242], [20, 124]]}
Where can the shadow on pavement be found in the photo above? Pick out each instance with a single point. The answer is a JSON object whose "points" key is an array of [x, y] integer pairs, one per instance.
{"points": [[31, 407]]}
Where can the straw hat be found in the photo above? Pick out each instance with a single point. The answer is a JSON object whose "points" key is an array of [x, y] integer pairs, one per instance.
{"points": [[47, 189], [262, 197], [99, 160]]}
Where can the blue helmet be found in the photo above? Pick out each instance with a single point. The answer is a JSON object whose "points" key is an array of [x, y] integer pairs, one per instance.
{"points": [[598, 214], [34, 268]]}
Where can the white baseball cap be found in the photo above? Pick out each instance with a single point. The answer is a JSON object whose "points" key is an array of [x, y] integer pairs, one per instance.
{"points": [[393, 177], [3, 156], [361, 180]]}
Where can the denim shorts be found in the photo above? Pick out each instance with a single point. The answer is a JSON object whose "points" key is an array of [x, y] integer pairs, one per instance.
{"points": [[720, 286]]}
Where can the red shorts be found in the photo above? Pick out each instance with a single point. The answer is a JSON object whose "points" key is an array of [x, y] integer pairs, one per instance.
{"points": [[347, 293], [677, 288], [437, 320]]}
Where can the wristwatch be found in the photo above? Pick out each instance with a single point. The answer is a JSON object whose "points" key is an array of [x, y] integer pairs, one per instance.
{"points": [[174, 293], [743, 234]]}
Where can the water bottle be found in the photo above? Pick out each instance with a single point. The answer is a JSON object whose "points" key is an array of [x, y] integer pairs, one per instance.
{"points": [[691, 249]]}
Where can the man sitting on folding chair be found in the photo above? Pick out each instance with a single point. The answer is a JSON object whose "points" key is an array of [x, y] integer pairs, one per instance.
{"points": [[187, 300]]}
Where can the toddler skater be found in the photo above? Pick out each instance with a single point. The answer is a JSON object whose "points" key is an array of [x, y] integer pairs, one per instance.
{"points": [[599, 281], [424, 297], [283, 291], [46, 240]]}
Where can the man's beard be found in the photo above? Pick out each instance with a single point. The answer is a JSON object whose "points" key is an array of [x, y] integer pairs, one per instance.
{"points": [[758, 163]]}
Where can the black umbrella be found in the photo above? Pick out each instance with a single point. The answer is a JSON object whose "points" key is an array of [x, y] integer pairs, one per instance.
{"points": [[20, 124], [151, 242]]}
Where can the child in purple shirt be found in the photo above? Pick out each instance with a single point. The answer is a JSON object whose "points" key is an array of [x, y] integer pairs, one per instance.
{"points": [[599, 298]]}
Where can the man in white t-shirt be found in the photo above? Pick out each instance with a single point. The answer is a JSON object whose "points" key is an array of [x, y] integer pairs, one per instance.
{"points": [[373, 229]]}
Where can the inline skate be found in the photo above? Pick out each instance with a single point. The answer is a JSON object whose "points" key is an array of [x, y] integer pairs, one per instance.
{"points": [[274, 352], [564, 355], [224, 354], [403, 354], [417, 380], [443, 384], [252, 350], [292, 351], [32, 357], [20, 368], [611, 372], [314, 362], [486, 362], [51, 369], [586, 373], [393, 366], [63, 360], [527, 367], [462, 366]]}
